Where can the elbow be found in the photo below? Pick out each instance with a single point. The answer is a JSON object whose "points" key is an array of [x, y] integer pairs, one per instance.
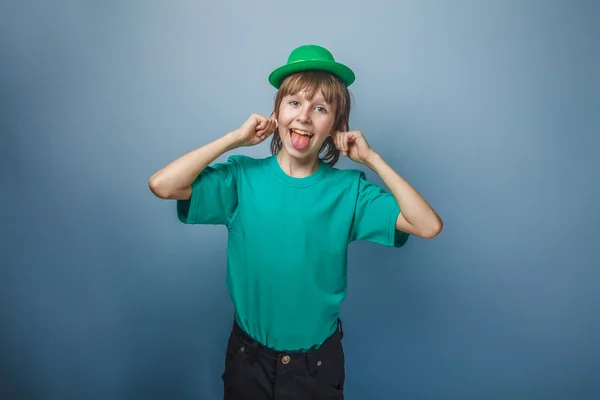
{"points": [[432, 230], [166, 190], [158, 188]]}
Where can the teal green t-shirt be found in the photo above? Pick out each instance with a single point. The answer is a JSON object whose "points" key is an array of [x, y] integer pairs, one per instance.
{"points": [[288, 240]]}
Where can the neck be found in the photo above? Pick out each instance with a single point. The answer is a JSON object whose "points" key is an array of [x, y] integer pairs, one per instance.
{"points": [[297, 168]]}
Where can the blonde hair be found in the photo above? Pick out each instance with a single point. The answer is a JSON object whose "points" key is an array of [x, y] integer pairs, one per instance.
{"points": [[335, 93]]}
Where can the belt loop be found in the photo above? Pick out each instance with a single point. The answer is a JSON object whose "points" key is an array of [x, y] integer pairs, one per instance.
{"points": [[254, 353], [308, 362]]}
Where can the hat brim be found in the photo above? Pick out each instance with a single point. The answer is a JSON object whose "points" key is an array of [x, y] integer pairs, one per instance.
{"points": [[340, 70]]}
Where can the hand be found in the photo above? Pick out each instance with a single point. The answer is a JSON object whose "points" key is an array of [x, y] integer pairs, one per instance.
{"points": [[255, 130], [353, 145]]}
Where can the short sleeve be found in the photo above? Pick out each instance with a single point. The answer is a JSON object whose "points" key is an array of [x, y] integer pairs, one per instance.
{"points": [[214, 196], [375, 216]]}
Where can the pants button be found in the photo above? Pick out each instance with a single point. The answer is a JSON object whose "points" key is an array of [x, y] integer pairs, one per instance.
{"points": [[285, 359]]}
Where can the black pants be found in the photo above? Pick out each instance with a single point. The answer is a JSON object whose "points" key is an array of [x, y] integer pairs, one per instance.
{"points": [[255, 372]]}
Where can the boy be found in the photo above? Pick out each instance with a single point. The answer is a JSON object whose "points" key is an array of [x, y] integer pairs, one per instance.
{"points": [[290, 218]]}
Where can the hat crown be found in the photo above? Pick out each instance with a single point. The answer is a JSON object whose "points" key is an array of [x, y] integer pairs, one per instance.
{"points": [[310, 52], [311, 57]]}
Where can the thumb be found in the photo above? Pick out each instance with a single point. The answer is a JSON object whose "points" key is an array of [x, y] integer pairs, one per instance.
{"points": [[261, 122], [253, 121], [353, 136]]}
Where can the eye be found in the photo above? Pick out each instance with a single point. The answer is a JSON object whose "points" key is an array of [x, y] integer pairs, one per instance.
{"points": [[294, 103], [321, 109]]}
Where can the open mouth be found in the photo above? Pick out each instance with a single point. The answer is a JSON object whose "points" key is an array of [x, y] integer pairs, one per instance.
{"points": [[300, 138]]}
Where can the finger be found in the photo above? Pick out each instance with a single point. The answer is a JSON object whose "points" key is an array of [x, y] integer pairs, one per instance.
{"points": [[256, 119], [266, 132], [338, 139], [343, 141], [336, 136], [261, 133], [340, 144], [345, 144], [262, 124], [265, 135], [268, 129]]}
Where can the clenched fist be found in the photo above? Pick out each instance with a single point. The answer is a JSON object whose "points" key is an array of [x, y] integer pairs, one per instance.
{"points": [[353, 145], [255, 130]]}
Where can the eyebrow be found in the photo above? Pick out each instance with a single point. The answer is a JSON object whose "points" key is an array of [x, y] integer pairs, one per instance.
{"points": [[319, 99]]}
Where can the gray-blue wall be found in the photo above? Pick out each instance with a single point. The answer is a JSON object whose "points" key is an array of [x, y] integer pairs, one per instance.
{"points": [[489, 108]]}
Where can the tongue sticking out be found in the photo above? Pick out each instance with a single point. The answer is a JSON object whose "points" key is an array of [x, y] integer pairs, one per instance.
{"points": [[299, 141]]}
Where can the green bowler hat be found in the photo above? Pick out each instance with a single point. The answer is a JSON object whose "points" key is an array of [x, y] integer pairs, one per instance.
{"points": [[311, 58]]}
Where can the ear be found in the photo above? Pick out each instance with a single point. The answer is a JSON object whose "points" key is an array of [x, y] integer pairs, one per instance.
{"points": [[273, 116]]}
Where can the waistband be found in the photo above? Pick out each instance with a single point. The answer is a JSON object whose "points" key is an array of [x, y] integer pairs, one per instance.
{"points": [[254, 346]]}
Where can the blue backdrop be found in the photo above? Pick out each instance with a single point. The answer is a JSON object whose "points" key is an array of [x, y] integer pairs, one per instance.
{"points": [[490, 109]]}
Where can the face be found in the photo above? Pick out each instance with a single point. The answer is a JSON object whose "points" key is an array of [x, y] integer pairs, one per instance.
{"points": [[305, 124]]}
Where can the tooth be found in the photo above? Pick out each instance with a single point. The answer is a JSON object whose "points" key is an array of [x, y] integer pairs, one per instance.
{"points": [[303, 133]]}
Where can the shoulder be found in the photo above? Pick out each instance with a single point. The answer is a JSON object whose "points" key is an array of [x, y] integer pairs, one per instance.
{"points": [[245, 163], [355, 181], [346, 176], [242, 159]]}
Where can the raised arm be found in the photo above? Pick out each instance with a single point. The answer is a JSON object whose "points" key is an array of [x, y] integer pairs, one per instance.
{"points": [[174, 181], [416, 216]]}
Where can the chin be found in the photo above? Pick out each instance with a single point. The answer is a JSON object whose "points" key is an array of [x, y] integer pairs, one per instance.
{"points": [[297, 154]]}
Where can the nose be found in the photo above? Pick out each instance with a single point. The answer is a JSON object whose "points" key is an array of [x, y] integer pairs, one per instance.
{"points": [[303, 115]]}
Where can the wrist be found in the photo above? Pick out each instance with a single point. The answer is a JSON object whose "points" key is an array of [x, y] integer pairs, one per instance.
{"points": [[372, 159], [232, 140]]}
